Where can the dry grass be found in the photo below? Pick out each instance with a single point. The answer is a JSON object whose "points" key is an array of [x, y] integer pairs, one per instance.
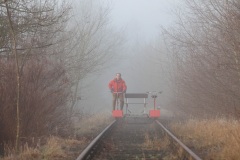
{"points": [[154, 143], [27, 153], [55, 149], [92, 124], [61, 149], [219, 138]]}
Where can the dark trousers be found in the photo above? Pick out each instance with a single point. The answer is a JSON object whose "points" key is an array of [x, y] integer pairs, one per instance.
{"points": [[120, 97]]}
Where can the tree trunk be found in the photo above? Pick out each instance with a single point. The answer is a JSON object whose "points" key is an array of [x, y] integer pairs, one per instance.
{"points": [[14, 52]]}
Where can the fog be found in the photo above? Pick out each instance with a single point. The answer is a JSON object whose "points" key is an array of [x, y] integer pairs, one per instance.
{"points": [[142, 60], [142, 19]]}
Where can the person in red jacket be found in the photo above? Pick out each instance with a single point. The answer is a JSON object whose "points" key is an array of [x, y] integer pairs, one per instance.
{"points": [[118, 87]]}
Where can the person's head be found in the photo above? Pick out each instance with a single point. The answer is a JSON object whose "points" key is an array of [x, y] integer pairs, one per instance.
{"points": [[118, 76]]}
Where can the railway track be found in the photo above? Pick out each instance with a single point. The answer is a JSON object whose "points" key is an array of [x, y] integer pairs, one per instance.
{"points": [[133, 138]]}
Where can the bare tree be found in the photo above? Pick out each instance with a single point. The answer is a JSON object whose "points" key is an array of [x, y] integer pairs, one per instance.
{"points": [[14, 52], [32, 27], [92, 45], [51, 56], [205, 48]]}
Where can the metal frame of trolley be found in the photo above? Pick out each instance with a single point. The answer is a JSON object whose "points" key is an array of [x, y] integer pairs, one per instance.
{"points": [[154, 113]]}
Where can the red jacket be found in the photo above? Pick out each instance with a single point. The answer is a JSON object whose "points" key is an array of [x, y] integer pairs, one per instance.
{"points": [[117, 85]]}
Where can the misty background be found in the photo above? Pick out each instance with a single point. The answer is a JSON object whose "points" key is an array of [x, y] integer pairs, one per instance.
{"points": [[142, 60], [187, 49]]}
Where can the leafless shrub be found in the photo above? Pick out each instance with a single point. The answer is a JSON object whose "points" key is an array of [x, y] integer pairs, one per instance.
{"points": [[44, 94]]}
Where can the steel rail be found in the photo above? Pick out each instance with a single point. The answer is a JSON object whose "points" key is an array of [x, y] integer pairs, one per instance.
{"points": [[179, 142], [92, 144]]}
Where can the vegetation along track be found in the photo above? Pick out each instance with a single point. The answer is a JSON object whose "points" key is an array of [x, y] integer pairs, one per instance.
{"points": [[136, 138]]}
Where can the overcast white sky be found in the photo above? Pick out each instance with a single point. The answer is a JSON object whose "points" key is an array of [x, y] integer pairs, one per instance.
{"points": [[142, 19]]}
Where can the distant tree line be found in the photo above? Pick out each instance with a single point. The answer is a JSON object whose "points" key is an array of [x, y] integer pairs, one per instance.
{"points": [[205, 50]]}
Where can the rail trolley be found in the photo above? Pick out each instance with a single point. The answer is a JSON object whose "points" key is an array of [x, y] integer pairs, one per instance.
{"points": [[153, 113]]}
